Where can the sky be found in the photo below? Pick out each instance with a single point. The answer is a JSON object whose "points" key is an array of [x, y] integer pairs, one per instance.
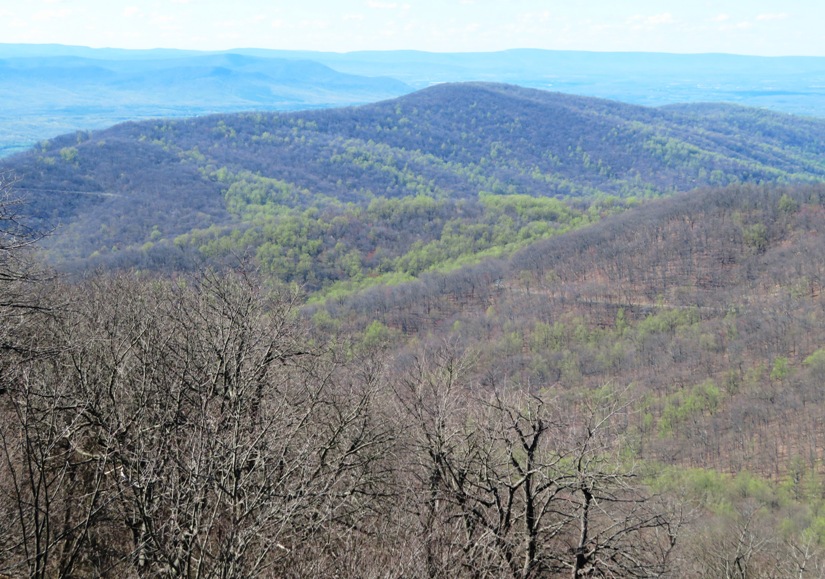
{"points": [[756, 27]]}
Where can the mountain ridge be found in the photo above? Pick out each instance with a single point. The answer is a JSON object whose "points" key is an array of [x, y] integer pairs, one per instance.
{"points": [[142, 186]]}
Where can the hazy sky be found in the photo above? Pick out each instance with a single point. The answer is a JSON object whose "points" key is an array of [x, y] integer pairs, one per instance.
{"points": [[763, 27]]}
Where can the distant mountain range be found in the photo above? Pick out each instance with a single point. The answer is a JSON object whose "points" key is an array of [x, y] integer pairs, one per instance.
{"points": [[46, 90], [42, 96]]}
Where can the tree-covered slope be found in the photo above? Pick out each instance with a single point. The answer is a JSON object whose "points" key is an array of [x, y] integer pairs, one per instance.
{"points": [[270, 183], [705, 309], [287, 446]]}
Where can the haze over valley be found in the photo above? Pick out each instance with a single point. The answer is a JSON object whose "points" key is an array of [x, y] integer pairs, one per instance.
{"points": [[50, 90]]}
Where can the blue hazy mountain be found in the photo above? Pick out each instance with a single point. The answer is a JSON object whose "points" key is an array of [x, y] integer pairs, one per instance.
{"points": [[46, 90], [787, 84], [45, 93]]}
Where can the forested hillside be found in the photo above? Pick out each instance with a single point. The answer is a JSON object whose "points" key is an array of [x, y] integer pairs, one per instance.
{"points": [[425, 182], [636, 398], [702, 313], [478, 331], [707, 307]]}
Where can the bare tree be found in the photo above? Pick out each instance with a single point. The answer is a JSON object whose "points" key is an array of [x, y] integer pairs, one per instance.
{"points": [[21, 275], [50, 496], [230, 446], [621, 530], [522, 485], [186, 429]]}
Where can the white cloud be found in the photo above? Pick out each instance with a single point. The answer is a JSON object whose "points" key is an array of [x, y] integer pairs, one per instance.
{"points": [[726, 23], [130, 11], [378, 5], [658, 19], [166, 22], [599, 27], [768, 17], [532, 18], [640, 21], [314, 25], [52, 14], [542, 16]]}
